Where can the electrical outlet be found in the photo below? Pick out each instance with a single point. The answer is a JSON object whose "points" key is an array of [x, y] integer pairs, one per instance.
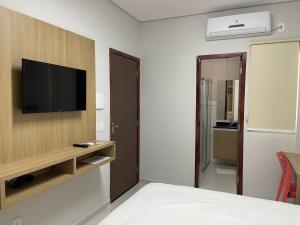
{"points": [[17, 221], [281, 27]]}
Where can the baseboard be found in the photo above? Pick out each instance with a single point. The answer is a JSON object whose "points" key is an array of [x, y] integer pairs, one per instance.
{"points": [[147, 181], [91, 215]]}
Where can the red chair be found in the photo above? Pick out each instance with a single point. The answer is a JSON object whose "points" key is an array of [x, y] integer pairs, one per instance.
{"points": [[286, 186]]}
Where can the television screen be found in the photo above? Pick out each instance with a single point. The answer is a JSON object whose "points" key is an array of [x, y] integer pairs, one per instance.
{"points": [[52, 88]]}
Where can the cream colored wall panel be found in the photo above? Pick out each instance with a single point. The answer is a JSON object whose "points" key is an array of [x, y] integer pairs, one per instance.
{"points": [[233, 69], [207, 69], [273, 86], [214, 91], [220, 111], [221, 92], [220, 69]]}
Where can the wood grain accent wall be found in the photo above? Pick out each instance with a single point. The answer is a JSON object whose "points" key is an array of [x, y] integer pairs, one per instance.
{"points": [[25, 135]]}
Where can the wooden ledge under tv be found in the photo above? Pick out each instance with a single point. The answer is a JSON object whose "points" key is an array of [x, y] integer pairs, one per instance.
{"points": [[50, 169]]}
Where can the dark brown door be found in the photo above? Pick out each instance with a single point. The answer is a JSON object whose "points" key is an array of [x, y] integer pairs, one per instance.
{"points": [[124, 91]]}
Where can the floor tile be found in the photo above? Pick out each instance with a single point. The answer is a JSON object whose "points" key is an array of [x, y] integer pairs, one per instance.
{"points": [[219, 177]]}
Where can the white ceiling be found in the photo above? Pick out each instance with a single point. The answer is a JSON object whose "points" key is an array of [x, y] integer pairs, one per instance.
{"points": [[145, 10]]}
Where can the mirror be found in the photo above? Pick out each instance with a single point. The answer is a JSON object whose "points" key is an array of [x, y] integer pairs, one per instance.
{"points": [[226, 98]]}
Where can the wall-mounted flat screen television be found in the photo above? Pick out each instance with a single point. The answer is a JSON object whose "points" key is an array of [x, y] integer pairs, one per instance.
{"points": [[52, 88]]}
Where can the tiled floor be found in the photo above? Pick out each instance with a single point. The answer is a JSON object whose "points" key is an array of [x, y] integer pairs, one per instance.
{"points": [[115, 204], [219, 177]]}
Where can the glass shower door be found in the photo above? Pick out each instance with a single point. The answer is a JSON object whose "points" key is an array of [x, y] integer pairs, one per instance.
{"points": [[205, 127]]}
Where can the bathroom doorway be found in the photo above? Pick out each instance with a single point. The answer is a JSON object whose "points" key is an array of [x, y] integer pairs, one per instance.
{"points": [[220, 122]]}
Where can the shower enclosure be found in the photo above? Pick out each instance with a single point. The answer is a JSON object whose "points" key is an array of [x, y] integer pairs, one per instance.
{"points": [[206, 126]]}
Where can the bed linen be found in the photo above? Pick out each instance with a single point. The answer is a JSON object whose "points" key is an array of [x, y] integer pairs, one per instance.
{"points": [[164, 204]]}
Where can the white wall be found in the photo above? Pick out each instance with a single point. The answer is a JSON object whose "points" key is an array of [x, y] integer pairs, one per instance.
{"points": [[109, 27], [168, 84], [168, 92]]}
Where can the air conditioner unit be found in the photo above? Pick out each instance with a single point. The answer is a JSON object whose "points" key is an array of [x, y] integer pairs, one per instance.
{"points": [[237, 26]]}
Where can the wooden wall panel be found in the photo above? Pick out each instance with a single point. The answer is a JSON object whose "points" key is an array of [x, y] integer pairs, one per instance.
{"points": [[32, 134], [5, 93]]}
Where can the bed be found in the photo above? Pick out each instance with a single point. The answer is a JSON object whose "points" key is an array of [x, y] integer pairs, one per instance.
{"points": [[164, 204]]}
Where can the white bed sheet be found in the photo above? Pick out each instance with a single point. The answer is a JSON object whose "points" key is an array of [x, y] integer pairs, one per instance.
{"points": [[163, 204]]}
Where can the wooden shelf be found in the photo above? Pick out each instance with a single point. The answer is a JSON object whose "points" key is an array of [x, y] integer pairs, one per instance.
{"points": [[84, 167], [50, 170], [41, 184]]}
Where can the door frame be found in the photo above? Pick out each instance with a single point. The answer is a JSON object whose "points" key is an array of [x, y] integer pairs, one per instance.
{"points": [[125, 55], [243, 58]]}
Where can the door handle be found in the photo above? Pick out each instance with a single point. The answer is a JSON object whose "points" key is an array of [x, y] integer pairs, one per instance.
{"points": [[113, 126]]}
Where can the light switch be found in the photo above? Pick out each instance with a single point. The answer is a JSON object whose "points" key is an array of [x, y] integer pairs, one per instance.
{"points": [[99, 101], [280, 27]]}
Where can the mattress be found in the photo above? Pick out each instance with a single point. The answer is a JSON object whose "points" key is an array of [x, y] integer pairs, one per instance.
{"points": [[163, 204]]}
